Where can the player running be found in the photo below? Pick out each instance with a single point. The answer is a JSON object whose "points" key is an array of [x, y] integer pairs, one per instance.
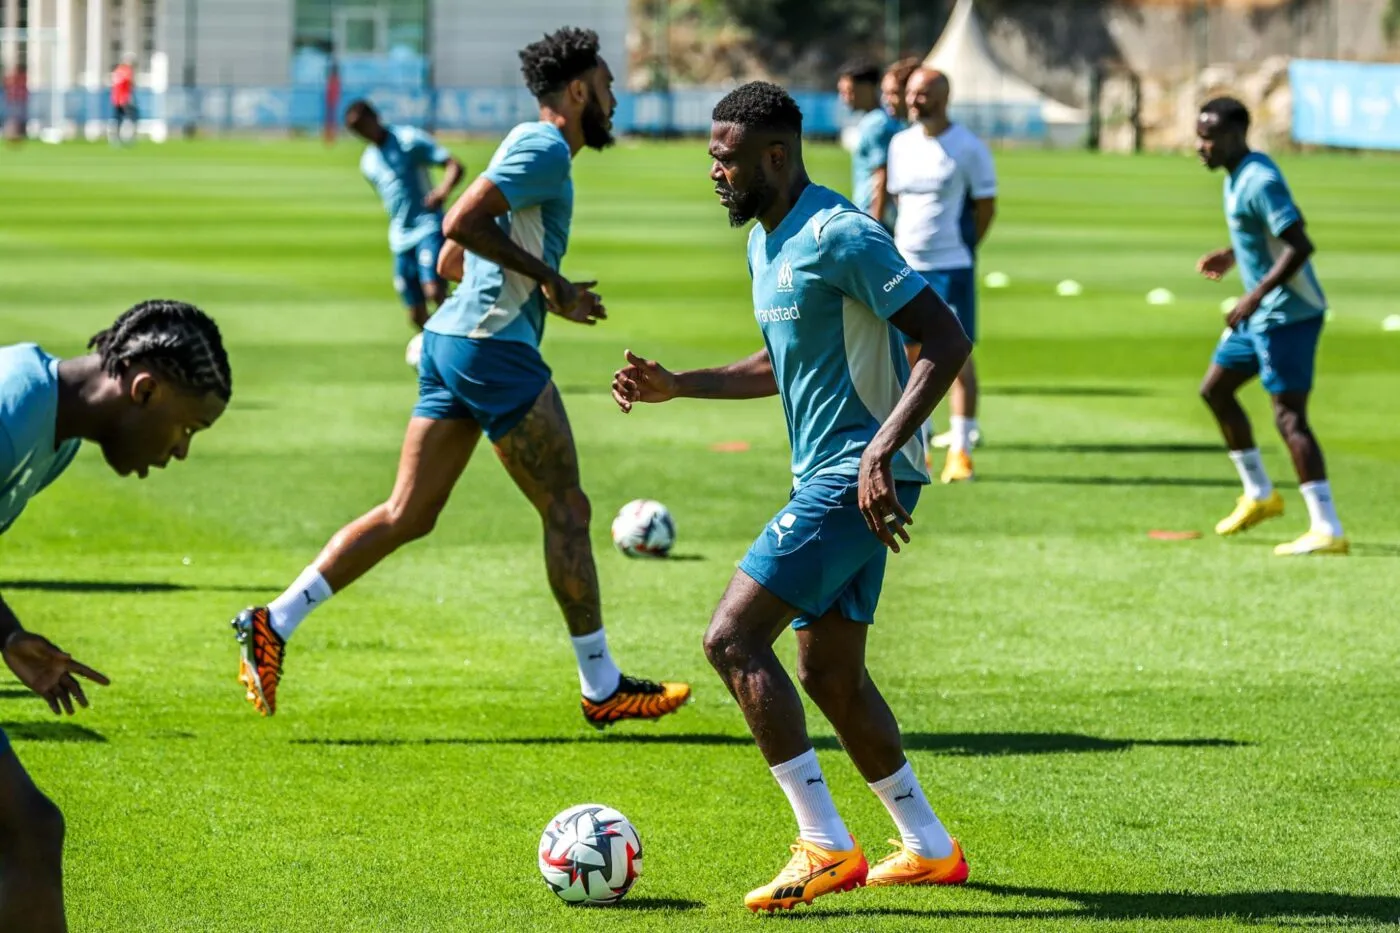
{"points": [[936, 168], [156, 377], [482, 373], [1272, 333], [396, 164], [831, 295], [859, 87]]}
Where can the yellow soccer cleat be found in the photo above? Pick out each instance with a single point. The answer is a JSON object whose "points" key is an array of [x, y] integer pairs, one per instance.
{"points": [[635, 698], [908, 867], [811, 872], [1314, 542], [1250, 512], [957, 468]]}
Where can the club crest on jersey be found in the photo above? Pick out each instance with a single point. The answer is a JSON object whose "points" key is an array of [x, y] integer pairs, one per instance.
{"points": [[785, 277]]}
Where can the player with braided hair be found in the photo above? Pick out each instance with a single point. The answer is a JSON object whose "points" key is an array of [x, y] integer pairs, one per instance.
{"points": [[157, 376], [482, 374]]}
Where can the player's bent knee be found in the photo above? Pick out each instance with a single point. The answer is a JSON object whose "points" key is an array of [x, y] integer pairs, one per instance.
{"points": [[413, 521], [723, 649]]}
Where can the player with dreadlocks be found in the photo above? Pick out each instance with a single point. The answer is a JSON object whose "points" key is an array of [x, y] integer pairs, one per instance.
{"points": [[481, 373], [154, 378]]}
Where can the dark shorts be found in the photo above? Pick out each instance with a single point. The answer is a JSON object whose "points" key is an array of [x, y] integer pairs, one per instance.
{"points": [[958, 289], [1284, 358], [817, 553], [492, 382], [414, 268]]}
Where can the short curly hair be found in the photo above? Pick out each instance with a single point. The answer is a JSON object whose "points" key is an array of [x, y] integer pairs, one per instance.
{"points": [[760, 105], [552, 62]]}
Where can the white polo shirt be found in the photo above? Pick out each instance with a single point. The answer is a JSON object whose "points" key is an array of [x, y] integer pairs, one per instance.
{"points": [[933, 177]]}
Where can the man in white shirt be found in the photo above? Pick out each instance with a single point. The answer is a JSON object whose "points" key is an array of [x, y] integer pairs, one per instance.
{"points": [[937, 169]]}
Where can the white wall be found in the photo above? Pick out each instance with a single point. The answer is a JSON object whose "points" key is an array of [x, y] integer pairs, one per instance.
{"points": [[241, 42], [474, 42]]}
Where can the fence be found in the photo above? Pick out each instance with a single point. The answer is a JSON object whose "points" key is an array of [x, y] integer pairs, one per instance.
{"points": [[476, 110]]}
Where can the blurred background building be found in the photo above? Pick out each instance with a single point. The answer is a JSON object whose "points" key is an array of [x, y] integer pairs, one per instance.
{"points": [[1123, 74]]}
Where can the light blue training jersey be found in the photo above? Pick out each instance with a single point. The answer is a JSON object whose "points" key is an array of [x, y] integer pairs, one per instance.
{"points": [[873, 135], [1259, 207], [29, 460], [825, 283], [531, 168], [399, 171]]}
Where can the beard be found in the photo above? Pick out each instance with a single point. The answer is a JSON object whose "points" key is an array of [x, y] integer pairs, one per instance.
{"points": [[744, 206], [596, 132]]}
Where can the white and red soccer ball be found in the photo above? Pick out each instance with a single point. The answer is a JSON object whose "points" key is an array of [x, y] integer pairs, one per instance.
{"points": [[590, 854], [644, 528]]}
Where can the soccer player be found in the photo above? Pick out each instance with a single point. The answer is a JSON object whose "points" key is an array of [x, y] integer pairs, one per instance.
{"points": [[156, 377], [124, 101], [859, 87], [1272, 333], [831, 295], [396, 164], [936, 167], [482, 374]]}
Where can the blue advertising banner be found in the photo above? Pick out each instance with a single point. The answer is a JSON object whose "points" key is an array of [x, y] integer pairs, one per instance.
{"points": [[1350, 104]]}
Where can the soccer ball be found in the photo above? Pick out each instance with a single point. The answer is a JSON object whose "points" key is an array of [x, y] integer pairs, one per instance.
{"points": [[644, 528], [590, 854], [414, 351]]}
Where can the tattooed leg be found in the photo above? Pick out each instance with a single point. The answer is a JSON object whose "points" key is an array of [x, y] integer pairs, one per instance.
{"points": [[539, 455]]}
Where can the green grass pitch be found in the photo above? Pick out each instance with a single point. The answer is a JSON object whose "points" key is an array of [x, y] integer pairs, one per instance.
{"points": [[1127, 734]]}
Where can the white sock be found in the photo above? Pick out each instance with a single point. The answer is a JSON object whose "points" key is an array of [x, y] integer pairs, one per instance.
{"points": [[817, 820], [919, 828], [1321, 509], [598, 676], [1250, 465], [306, 593], [961, 429]]}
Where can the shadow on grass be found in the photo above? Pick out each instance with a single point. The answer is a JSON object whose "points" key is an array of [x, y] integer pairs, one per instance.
{"points": [[1155, 905], [656, 903], [122, 586], [17, 693], [1188, 481], [957, 744], [1111, 448], [1362, 549], [51, 732], [1069, 391]]}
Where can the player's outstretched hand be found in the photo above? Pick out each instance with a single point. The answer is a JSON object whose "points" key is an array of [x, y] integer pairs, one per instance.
{"points": [[574, 301], [884, 514], [1214, 265], [49, 671], [642, 380]]}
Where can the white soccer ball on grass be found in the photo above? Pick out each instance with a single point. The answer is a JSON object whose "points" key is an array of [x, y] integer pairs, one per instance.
{"points": [[590, 854]]}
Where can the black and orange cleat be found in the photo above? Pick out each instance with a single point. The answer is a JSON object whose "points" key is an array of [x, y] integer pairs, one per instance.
{"points": [[635, 699], [810, 873], [260, 657]]}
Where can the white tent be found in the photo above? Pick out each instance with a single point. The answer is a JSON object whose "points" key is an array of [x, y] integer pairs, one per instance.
{"points": [[981, 83]]}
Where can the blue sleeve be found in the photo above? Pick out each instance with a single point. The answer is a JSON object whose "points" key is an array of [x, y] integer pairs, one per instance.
{"points": [[873, 144], [861, 261], [426, 149], [1272, 203], [532, 171]]}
